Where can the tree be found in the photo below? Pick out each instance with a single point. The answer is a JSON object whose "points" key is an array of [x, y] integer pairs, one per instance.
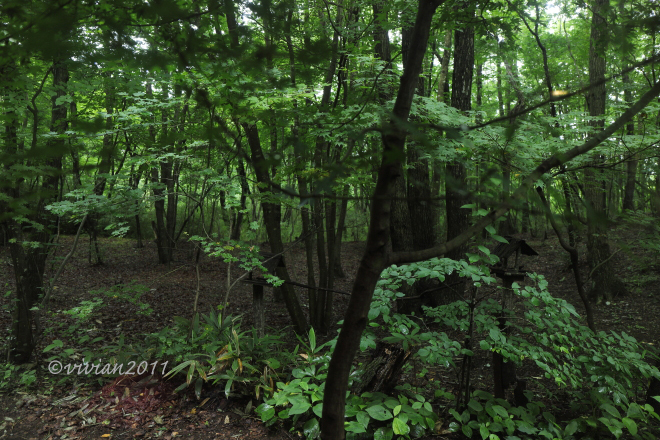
{"points": [[605, 285]]}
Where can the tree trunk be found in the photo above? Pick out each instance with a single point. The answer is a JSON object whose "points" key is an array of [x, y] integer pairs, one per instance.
{"points": [[443, 83], [458, 219], [245, 189], [341, 226], [30, 262], [604, 284], [375, 258], [273, 229], [107, 153], [631, 164]]}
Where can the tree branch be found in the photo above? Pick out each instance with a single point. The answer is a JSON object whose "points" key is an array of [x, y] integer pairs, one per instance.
{"points": [[545, 166]]}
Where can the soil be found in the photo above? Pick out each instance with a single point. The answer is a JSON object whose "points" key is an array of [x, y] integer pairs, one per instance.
{"points": [[97, 408]]}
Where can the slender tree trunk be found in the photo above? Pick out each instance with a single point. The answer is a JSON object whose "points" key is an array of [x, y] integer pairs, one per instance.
{"points": [[341, 226], [443, 81], [238, 218], [631, 164], [107, 153], [273, 229]]}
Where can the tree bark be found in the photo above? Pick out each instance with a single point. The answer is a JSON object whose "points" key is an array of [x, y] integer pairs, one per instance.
{"points": [[458, 219], [29, 262], [604, 284]]}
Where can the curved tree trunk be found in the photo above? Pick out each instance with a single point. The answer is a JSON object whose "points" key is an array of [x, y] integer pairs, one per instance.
{"points": [[375, 258]]}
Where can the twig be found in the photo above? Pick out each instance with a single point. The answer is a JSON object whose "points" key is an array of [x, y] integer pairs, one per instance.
{"points": [[51, 285], [603, 262]]}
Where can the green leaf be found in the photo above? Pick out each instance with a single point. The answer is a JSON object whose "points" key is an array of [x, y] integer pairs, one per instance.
{"points": [[501, 411], [377, 412], [266, 412], [312, 339], [363, 418], [611, 410], [56, 344], [499, 238], [198, 387], [571, 428], [384, 433], [300, 405], [400, 427], [475, 406], [630, 425], [312, 429], [355, 427], [485, 433]]}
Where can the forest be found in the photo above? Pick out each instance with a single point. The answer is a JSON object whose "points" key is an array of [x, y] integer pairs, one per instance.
{"points": [[333, 219]]}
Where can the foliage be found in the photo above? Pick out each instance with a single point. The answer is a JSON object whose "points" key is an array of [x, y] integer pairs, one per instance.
{"points": [[602, 374], [374, 414], [130, 292], [493, 418], [219, 351]]}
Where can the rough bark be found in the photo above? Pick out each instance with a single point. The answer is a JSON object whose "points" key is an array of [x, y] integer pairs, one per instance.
{"points": [[458, 219]]}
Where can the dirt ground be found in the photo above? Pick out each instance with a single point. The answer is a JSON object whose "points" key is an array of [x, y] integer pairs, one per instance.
{"points": [[78, 411]]}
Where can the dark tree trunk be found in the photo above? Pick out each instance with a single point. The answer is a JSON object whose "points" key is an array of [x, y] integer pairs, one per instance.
{"points": [[375, 258], [604, 284], [443, 80], [458, 219], [107, 153], [273, 229], [631, 164], [422, 209], [30, 262]]}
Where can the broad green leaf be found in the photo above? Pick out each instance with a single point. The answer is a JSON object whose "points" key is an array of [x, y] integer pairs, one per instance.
{"points": [[377, 412], [384, 433], [630, 425], [400, 427]]}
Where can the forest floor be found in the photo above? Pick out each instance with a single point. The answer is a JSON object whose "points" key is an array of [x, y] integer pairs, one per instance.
{"points": [[47, 411]]}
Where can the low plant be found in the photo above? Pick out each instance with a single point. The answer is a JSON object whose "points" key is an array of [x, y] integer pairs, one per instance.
{"points": [[130, 292], [299, 402], [16, 377], [219, 352], [602, 374]]}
